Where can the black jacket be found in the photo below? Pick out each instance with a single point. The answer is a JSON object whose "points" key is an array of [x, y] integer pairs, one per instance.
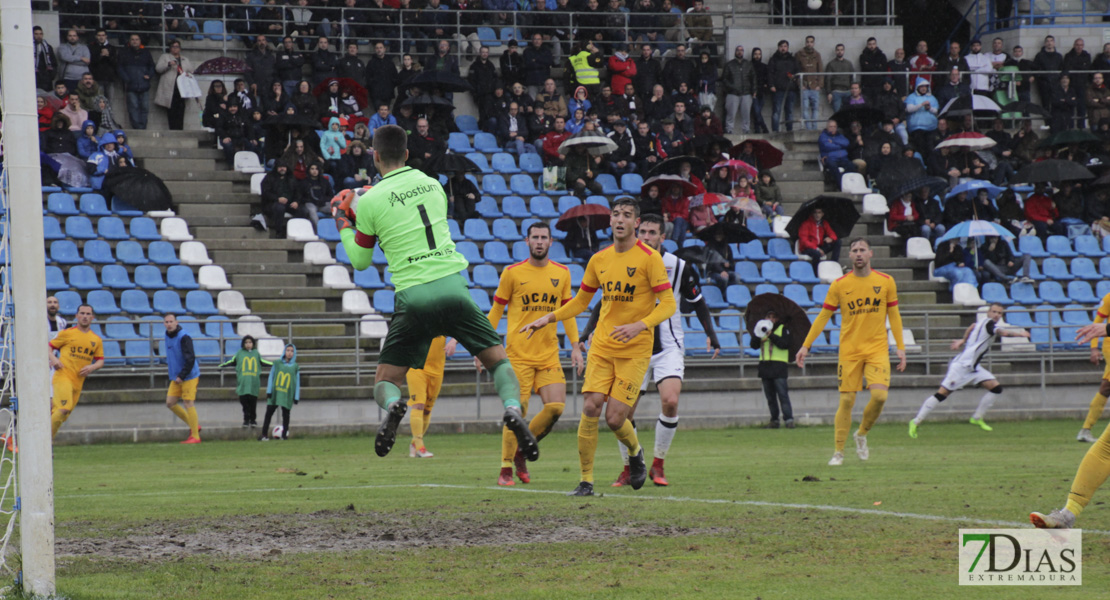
{"points": [[537, 65], [780, 67], [260, 69], [381, 79], [512, 68], [275, 186], [103, 68], [676, 71], [648, 73], [352, 68], [324, 64], [316, 191], [288, 65], [482, 77]]}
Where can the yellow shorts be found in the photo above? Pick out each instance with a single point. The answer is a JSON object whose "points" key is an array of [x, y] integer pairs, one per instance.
{"points": [[618, 378], [850, 373], [533, 378], [423, 387], [186, 391], [66, 394]]}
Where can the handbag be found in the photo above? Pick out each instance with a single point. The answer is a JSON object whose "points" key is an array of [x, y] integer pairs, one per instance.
{"points": [[554, 178], [187, 86]]}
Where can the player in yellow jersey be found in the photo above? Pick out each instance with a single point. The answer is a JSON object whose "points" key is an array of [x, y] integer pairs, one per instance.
{"points": [[424, 386], [80, 353], [1099, 401], [868, 298], [529, 288], [636, 296]]}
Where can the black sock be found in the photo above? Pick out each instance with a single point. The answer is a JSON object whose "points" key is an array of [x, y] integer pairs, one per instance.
{"points": [[284, 423], [270, 408]]}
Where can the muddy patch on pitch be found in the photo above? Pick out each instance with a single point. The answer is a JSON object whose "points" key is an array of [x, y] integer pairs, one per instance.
{"points": [[338, 531]]}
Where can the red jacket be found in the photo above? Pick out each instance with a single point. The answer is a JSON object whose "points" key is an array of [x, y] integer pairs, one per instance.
{"points": [[551, 142], [676, 208], [1039, 207], [712, 128], [621, 73], [898, 215], [811, 235]]}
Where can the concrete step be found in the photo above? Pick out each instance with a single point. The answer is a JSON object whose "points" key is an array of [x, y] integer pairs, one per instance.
{"points": [[310, 292], [211, 173], [802, 190], [232, 197], [159, 165], [199, 187], [237, 220], [798, 175], [256, 258], [273, 305], [192, 211], [273, 282], [277, 268], [252, 245], [145, 134], [147, 145], [210, 153], [244, 232], [319, 330]]}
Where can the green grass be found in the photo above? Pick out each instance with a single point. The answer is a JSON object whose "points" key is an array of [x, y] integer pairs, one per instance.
{"points": [[356, 526]]}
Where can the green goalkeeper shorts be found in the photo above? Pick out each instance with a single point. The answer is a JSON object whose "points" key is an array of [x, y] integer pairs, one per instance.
{"points": [[428, 310]]}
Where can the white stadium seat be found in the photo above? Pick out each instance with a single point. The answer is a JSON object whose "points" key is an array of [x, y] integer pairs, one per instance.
{"points": [[374, 327], [829, 271], [318, 253], [231, 302], [300, 230], [932, 277], [256, 183], [966, 294], [919, 248], [213, 277], [247, 162], [854, 183], [194, 253], [175, 229], [875, 204], [271, 348], [356, 302], [778, 226], [253, 326], [337, 277]]}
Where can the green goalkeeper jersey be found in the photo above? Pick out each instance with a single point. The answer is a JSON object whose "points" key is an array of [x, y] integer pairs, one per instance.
{"points": [[406, 215]]}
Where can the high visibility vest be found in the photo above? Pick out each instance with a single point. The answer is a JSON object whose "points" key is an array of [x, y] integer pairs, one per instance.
{"points": [[583, 72], [769, 351]]}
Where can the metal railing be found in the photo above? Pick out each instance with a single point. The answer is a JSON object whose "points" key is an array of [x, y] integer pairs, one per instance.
{"points": [[1036, 13], [850, 13]]}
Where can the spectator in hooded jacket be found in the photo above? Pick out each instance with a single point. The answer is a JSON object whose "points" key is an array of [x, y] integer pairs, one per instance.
{"points": [[101, 161], [921, 116], [59, 139], [232, 129], [357, 166], [280, 196], [316, 192], [87, 140]]}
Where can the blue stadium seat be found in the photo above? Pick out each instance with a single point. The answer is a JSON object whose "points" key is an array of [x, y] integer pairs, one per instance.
{"points": [[1084, 268], [138, 352], [199, 302], [83, 277], [729, 345], [477, 230], [568, 202], [753, 250], [115, 277], [1053, 293], [802, 272], [819, 292], [162, 253], [94, 205], [144, 229], [520, 251], [1104, 266], [1047, 315], [102, 302], [1087, 245], [601, 201], [505, 230], [761, 228], [748, 272], [379, 257], [207, 351], [523, 184], [459, 143], [766, 288], [181, 277], [167, 301], [470, 252], [480, 159], [123, 209], [481, 298], [1019, 317], [1025, 294], [112, 228], [113, 356], [456, 232], [1074, 314], [149, 277], [738, 296], [52, 229], [61, 204], [774, 272], [65, 252], [485, 142], [542, 207], [495, 184], [497, 253], [1060, 245], [98, 252], [368, 279], [1081, 292], [467, 124], [80, 228], [55, 279], [1035, 272], [487, 207], [558, 253], [559, 234], [695, 343], [1031, 245], [327, 230], [693, 243], [68, 301], [780, 249], [514, 207], [214, 30], [218, 326], [119, 328], [504, 163], [632, 183], [576, 274], [994, 292], [342, 258], [1044, 337], [669, 245], [151, 326], [1056, 268], [713, 299], [531, 163], [799, 294], [485, 276], [608, 184]]}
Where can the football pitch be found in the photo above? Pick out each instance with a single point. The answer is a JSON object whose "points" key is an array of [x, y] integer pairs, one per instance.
{"points": [[749, 513]]}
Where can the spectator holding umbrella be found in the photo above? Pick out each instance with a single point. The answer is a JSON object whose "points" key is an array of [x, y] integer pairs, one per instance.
{"points": [[1041, 212], [816, 238], [676, 210], [951, 264], [905, 218], [581, 175], [999, 262], [581, 241], [651, 201], [465, 196]]}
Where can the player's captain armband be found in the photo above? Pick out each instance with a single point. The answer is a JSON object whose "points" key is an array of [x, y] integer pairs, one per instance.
{"points": [[661, 287], [365, 241]]}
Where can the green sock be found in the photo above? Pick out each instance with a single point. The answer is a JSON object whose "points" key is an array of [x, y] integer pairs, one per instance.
{"points": [[506, 384], [385, 394]]}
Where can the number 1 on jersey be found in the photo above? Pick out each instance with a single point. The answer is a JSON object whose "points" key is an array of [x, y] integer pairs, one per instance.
{"points": [[427, 227]]}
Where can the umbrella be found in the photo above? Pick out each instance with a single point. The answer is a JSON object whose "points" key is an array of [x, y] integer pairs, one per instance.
{"points": [[968, 139], [974, 104], [936, 185], [976, 228], [1067, 138], [71, 170], [222, 65], [1052, 170], [426, 100], [449, 163], [786, 311], [673, 166], [445, 81], [734, 233], [866, 116], [138, 188], [972, 188], [735, 167], [767, 155], [596, 143], [345, 85], [597, 217], [708, 199], [1025, 108], [897, 171], [665, 183], [840, 212]]}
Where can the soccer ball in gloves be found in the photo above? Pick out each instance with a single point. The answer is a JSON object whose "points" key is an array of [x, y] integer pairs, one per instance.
{"points": [[345, 203], [763, 328]]}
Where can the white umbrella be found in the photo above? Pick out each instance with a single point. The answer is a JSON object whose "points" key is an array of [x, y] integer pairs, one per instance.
{"points": [[964, 105], [595, 142]]}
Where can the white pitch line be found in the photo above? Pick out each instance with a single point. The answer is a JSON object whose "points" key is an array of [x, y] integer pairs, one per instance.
{"points": [[679, 499]]}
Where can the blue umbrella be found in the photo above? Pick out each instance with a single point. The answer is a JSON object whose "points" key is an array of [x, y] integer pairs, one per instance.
{"points": [[976, 228], [972, 188]]}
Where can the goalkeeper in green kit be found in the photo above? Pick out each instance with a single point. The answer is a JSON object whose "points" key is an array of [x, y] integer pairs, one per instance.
{"points": [[405, 215]]}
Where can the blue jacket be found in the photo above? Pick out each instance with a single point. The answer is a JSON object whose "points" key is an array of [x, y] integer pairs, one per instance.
{"points": [[122, 147], [833, 147], [333, 142], [180, 358], [919, 118], [377, 121], [101, 161], [86, 146], [132, 65]]}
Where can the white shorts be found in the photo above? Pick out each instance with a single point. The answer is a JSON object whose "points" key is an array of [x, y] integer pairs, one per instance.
{"points": [[961, 375], [668, 363]]}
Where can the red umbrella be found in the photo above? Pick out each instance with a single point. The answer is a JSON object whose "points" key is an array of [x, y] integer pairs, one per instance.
{"points": [[708, 199], [968, 139], [735, 167], [767, 155], [666, 182], [597, 217], [345, 85]]}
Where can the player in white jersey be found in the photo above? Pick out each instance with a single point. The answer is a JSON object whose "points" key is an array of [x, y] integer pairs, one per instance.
{"points": [[964, 368], [668, 365], [55, 323]]}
